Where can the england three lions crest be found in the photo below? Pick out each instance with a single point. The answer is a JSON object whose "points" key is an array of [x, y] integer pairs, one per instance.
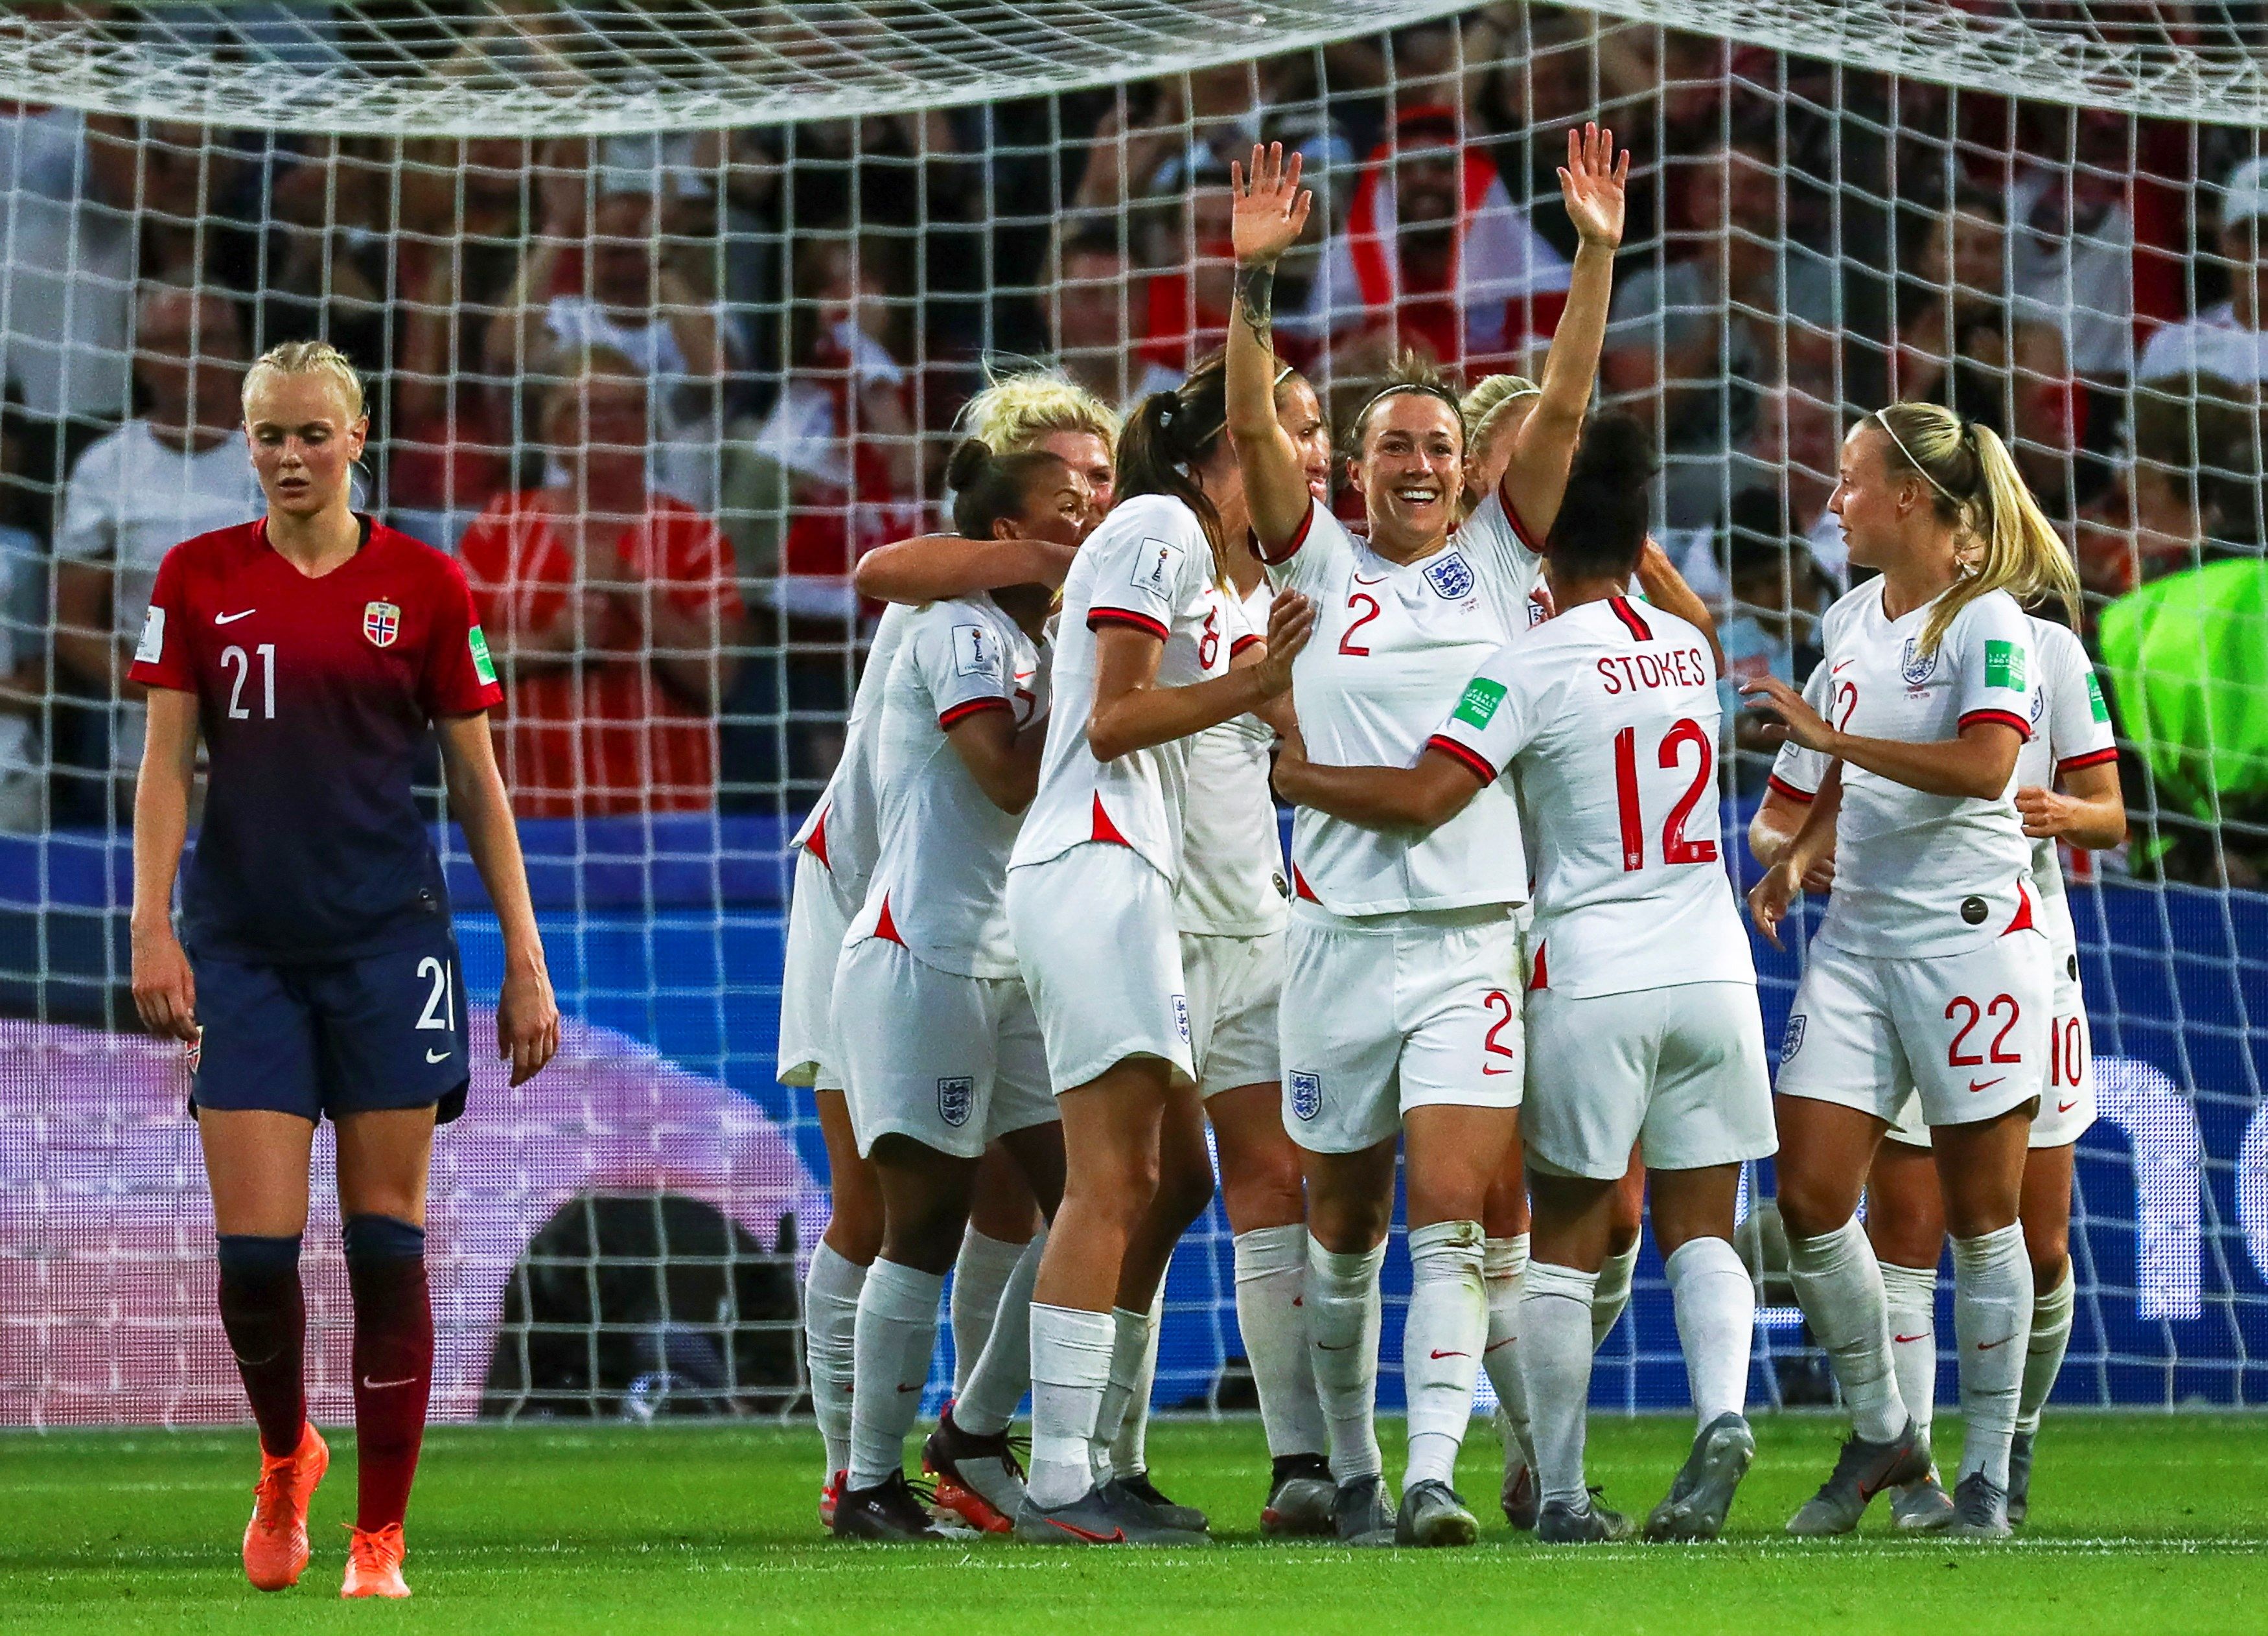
{"points": [[955, 1098], [1307, 1093], [1916, 666], [1450, 576]]}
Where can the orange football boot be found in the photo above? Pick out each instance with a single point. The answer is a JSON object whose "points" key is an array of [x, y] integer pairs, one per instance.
{"points": [[276, 1539], [374, 1563]]}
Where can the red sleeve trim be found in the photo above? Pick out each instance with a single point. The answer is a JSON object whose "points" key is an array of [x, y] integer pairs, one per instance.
{"points": [[948, 719], [1469, 759], [1291, 547], [2092, 758], [1512, 515], [1097, 617], [1631, 622], [1236, 648], [2001, 718], [1780, 785]]}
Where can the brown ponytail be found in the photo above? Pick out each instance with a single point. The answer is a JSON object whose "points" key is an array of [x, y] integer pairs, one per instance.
{"points": [[2006, 542], [1172, 432]]}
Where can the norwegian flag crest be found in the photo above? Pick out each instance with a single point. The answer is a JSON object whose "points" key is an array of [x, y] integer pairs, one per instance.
{"points": [[382, 623]]}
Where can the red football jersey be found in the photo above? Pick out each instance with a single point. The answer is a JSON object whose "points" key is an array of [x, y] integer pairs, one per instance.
{"points": [[315, 697]]}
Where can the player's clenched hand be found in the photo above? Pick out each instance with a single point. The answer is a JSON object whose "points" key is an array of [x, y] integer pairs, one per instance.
{"points": [[1291, 622], [1821, 876], [1798, 723], [527, 1020], [2047, 815], [1769, 897], [165, 988], [1270, 209]]}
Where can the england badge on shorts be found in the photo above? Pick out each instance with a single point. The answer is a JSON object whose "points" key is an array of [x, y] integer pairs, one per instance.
{"points": [[1794, 1042], [1450, 576], [382, 623], [1307, 1093], [954, 1098]]}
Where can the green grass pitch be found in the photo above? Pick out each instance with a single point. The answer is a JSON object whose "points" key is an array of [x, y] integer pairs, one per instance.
{"points": [[2140, 1524]]}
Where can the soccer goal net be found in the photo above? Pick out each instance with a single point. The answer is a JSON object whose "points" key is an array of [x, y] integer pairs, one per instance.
{"points": [[667, 310]]}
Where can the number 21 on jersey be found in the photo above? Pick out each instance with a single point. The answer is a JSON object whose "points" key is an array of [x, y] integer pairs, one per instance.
{"points": [[1676, 848]]}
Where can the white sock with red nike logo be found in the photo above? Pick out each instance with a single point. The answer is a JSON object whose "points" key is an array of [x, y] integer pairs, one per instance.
{"points": [[1911, 1294], [1715, 1304], [896, 1332], [1070, 1365], [1442, 1340], [1503, 1264], [1343, 1323], [1839, 1285], [1555, 1355], [2043, 1357], [1993, 1323]]}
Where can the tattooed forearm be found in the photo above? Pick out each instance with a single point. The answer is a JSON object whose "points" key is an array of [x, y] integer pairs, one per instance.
{"points": [[1255, 296]]}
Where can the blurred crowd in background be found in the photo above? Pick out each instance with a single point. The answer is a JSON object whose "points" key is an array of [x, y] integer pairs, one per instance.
{"points": [[659, 393]]}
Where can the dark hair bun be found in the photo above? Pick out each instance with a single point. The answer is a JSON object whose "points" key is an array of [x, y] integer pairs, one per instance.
{"points": [[1615, 452], [967, 463]]}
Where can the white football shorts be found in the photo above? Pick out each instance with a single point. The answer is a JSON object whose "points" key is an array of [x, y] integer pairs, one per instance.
{"points": [[1233, 986], [1382, 1013], [1680, 1069], [2067, 1104], [951, 1061], [1966, 1033], [816, 920], [1094, 934]]}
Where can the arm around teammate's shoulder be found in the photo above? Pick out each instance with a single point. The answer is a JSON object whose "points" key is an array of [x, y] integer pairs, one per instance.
{"points": [[1420, 799], [934, 567]]}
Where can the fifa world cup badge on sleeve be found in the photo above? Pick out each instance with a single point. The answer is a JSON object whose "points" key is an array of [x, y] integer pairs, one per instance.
{"points": [[1307, 1093], [954, 1098], [1159, 566], [1479, 706], [2004, 665], [382, 623], [152, 648], [2096, 706], [483, 667]]}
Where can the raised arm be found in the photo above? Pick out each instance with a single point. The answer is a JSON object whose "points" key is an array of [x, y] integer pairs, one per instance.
{"points": [[1270, 211], [1591, 183], [931, 567], [527, 1016], [1132, 712], [165, 990]]}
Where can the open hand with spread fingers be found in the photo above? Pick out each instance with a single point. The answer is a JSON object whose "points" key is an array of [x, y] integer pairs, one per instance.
{"points": [[1270, 206], [1592, 182]]}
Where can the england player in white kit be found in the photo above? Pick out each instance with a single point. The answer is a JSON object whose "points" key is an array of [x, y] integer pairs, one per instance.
{"points": [[1929, 976], [1400, 1016], [1143, 661], [940, 1048], [2070, 743], [1641, 1005]]}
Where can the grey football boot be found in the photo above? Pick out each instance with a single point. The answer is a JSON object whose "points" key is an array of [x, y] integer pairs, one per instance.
{"points": [[1702, 1494], [1432, 1514], [1363, 1512], [1140, 1491], [1100, 1517], [1302, 1499], [1563, 1524], [1862, 1470], [1980, 1509], [1921, 1507], [2020, 1478]]}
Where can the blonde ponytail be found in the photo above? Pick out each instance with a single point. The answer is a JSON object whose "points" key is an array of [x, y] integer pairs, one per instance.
{"points": [[1014, 412], [2003, 540]]}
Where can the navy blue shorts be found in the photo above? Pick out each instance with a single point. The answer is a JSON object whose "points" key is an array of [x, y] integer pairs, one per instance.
{"points": [[340, 1038]]}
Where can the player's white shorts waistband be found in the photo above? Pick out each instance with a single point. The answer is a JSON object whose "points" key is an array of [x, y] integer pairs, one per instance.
{"points": [[1094, 935], [951, 1061], [1234, 987], [1678, 1071], [816, 920], [1967, 1033], [1382, 1013]]}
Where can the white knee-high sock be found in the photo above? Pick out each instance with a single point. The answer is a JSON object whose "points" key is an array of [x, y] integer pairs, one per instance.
{"points": [[830, 1315], [1128, 1451], [2043, 1357], [1503, 1264], [1716, 1307], [896, 1332], [1343, 1323], [1001, 1373], [1993, 1322], [1271, 1315], [980, 1276], [1910, 1296], [1839, 1287], [1554, 1353], [1613, 1293], [1071, 1365], [1442, 1337]]}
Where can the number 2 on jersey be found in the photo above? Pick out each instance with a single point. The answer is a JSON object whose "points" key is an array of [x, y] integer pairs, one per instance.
{"points": [[1676, 849]]}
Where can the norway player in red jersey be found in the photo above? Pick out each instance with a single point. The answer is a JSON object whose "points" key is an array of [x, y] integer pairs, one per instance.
{"points": [[315, 971]]}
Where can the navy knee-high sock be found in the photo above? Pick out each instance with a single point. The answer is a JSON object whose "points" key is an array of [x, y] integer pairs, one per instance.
{"points": [[265, 1315], [393, 1362]]}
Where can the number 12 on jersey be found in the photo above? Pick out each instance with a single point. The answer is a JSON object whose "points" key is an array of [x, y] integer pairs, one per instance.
{"points": [[1676, 848]]}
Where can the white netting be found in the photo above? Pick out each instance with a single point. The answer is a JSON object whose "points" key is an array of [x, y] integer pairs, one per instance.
{"points": [[794, 236]]}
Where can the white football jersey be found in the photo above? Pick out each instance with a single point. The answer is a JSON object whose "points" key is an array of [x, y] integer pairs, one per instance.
{"points": [[1232, 882], [1394, 646], [1149, 566], [843, 825], [943, 868], [2070, 728], [1607, 717], [1918, 874]]}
